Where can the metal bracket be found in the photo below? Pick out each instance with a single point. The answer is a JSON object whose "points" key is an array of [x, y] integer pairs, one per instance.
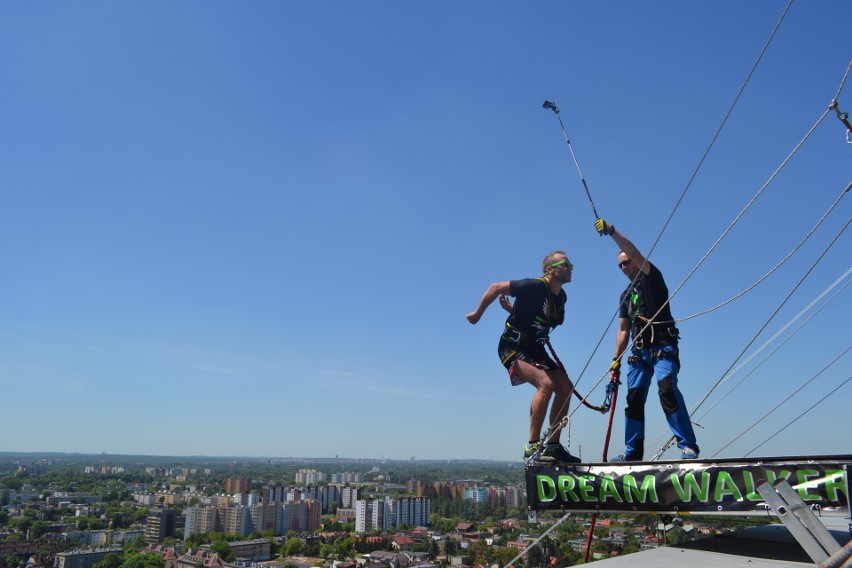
{"points": [[799, 520]]}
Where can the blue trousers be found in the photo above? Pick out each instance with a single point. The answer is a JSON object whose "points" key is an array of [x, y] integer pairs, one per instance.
{"points": [[662, 364]]}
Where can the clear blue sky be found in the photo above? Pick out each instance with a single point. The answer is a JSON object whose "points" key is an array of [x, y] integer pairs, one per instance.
{"points": [[254, 228]]}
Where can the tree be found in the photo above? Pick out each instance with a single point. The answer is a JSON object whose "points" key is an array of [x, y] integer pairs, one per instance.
{"points": [[223, 550], [149, 560], [478, 552], [677, 536], [343, 548], [111, 560], [38, 529], [293, 547]]}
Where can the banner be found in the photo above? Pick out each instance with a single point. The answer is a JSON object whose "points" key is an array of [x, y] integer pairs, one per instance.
{"points": [[726, 487]]}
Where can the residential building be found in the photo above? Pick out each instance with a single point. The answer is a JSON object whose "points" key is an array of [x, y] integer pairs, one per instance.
{"points": [[85, 558], [160, 524]]}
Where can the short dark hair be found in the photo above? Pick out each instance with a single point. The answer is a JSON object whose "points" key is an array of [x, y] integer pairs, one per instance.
{"points": [[550, 259]]}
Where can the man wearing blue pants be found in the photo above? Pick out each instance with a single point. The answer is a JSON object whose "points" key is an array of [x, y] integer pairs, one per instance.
{"points": [[654, 353]]}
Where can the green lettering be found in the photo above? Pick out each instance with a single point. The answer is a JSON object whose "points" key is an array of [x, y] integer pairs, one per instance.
{"points": [[546, 488], [835, 482], [684, 492], [566, 488], [725, 486], [609, 490], [803, 475], [771, 476], [643, 492], [751, 492], [587, 487]]}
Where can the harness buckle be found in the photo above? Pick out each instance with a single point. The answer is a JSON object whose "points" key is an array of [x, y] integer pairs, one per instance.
{"points": [[515, 337]]}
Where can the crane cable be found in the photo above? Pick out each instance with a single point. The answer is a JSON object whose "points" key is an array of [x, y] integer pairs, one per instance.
{"points": [[780, 404], [777, 266], [817, 403], [778, 333]]}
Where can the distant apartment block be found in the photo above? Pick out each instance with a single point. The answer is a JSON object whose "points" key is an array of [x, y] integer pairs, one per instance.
{"points": [[234, 520], [325, 494], [478, 494], [412, 511], [348, 477], [145, 499], [265, 517], [257, 550], [84, 558], [372, 515], [237, 485], [309, 477], [100, 539], [348, 496], [160, 524], [200, 520]]}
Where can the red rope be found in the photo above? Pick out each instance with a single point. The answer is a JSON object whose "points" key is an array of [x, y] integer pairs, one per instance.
{"points": [[613, 379]]}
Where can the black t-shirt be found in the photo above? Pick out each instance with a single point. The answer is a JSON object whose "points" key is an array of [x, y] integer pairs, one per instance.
{"points": [[537, 309], [644, 299]]}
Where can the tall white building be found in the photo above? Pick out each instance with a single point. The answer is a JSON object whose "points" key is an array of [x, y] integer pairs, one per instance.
{"points": [[373, 515]]}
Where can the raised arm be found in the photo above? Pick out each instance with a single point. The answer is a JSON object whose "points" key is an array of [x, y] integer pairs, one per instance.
{"points": [[624, 244], [488, 297]]}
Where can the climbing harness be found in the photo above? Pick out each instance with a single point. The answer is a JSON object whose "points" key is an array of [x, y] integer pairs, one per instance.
{"points": [[552, 106]]}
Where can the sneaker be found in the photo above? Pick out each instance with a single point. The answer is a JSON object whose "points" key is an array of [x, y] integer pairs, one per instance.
{"points": [[689, 454], [532, 451], [624, 458], [557, 453]]}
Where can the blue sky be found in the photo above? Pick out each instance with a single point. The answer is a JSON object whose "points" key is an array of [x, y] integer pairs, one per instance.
{"points": [[254, 229]]}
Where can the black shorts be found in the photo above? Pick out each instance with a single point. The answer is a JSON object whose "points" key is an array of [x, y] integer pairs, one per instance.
{"points": [[531, 352]]}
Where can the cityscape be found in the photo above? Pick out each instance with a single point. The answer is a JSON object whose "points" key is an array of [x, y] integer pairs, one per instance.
{"points": [[106, 511]]}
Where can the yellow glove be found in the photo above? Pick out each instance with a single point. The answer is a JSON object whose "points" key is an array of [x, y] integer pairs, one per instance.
{"points": [[615, 368], [603, 228]]}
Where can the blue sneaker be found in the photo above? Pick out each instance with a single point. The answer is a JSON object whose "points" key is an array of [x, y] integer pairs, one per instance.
{"points": [[689, 454]]}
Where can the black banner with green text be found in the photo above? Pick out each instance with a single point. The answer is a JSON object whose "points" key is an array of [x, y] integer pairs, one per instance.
{"points": [[722, 487]]}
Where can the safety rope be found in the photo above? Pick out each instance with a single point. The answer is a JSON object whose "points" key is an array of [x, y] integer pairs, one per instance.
{"points": [[754, 338], [780, 404], [565, 422], [611, 397], [793, 421], [786, 339], [721, 126], [586, 403], [774, 268], [538, 540]]}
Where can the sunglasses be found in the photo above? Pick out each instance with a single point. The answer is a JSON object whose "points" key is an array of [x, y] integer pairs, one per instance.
{"points": [[624, 263], [564, 263]]}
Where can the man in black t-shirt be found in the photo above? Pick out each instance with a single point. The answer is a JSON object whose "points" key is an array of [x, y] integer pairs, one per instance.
{"points": [[644, 314], [539, 307]]}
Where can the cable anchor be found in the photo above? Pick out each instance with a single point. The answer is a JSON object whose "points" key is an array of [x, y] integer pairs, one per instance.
{"points": [[844, 118]]}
